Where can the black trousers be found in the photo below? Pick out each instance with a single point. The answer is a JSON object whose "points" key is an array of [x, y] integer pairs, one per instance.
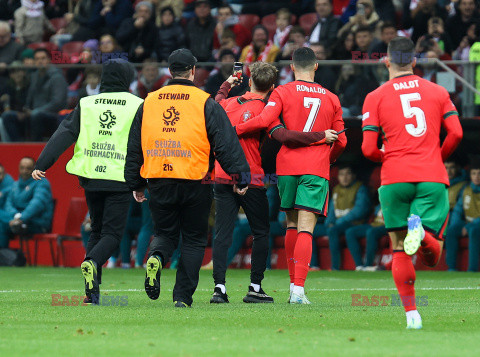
{"points": [[227, 204], [180, 207], [108, 212]]}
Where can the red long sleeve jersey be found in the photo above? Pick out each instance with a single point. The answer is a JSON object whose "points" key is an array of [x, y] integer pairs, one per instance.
{"points": [[409, 112], [239, 110], [304, 106]]}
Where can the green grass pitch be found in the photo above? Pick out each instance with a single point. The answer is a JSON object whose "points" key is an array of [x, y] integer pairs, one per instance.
{"points": [[31, 326]]}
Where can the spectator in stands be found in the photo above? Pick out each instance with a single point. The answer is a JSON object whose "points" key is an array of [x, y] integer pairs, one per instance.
{"points": [[227, 42], [27, 57], [176, 6], [462, 52], [458, 24], [150, 79], [107, 44], [91, 82], [372, 232], [86, 229], [437, 33], [363, 43], [29, 205], [31, 22], [342, 50], [327, 27], [138, 35], [365, 17], [225, 70], [9, 49], [324, 74], [199, 31], [47, 94], [416, 14], [56, 8], [6, 182], [13, 94], [78, 21], [465, 220], [7, 8], [458, 180], [349, 205], [387, 33], [107, 15], [296, 39], [282, 20], [226, 19], [261, 49], [170, 35], [352, 87]]}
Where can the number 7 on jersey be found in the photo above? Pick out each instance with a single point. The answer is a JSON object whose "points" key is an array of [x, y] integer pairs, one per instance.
{"points": [[314, 103]]}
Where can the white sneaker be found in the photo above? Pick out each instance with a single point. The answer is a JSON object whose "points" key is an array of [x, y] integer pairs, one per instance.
{"points": [[299, 299], [360, 268], [370, 268], [414, 236], [111, 263], [414, 321]]}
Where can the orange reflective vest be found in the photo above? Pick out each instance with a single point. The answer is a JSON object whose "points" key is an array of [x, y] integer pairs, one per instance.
{"points": [[174, 136]]}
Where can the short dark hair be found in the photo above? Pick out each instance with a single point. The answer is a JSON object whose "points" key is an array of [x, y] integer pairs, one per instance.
{"points": [[225, 6], [304, 58], [401, 51], [475, 163], [167, 8], [264, 75], [42, 49], [364, 29], [387, 25], [181, 74], [297, 29]]}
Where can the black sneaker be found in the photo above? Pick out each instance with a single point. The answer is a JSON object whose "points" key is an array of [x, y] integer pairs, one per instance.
{"points": [[152, 278], [254, 297], [89, 272], [218, 297], [181, 304]]}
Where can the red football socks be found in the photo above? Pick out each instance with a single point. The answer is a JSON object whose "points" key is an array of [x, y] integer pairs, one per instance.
{"points": [[290, 240], [404, 276], [430, 251], [302, 256]]}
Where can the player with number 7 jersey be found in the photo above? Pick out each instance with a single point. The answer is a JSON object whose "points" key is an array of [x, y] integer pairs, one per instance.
{"points": [[303, 172]]}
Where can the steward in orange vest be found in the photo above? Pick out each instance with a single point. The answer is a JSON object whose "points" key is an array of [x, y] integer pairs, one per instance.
{"points": [[170, 149]]}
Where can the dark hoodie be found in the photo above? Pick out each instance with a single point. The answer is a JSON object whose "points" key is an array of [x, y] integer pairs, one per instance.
{"points": [[117, 74]]}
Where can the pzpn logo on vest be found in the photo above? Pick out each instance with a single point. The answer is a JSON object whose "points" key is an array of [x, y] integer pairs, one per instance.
{"points": [[107, 121], [170, 117]]}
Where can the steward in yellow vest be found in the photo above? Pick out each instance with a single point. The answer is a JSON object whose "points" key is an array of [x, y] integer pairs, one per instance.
{"points": [[99, 126], [170, 148]]}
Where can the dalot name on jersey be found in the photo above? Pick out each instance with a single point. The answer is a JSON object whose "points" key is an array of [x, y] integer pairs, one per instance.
{"points": [[302, 88], [405, 85]]}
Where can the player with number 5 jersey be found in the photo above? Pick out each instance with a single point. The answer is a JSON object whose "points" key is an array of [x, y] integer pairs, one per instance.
{"points": [[303, 172], [409, 113]]}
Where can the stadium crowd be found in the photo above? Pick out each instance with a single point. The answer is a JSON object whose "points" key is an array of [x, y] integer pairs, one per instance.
{"points": [[35, 94]]}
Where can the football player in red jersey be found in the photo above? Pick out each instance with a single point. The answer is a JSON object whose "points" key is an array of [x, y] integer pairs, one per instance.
{"points": [[303, 172], [254, 201], [409, 112]]}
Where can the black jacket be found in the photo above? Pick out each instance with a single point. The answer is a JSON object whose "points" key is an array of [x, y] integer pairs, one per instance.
{"points": [[117, 74], [200, 38], [328, 31], [129, 37], [170, 38], [221, 135]]}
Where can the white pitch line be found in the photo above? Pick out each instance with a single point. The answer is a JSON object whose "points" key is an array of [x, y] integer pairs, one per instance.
{"points": [[277, 290]]}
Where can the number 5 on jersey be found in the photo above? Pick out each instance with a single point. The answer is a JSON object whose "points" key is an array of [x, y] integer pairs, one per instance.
{"points": [[410, 112], [312, 116]]}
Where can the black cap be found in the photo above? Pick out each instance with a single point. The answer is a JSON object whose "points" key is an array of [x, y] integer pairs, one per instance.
{"points": [[181, 60], [198, 2]]}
